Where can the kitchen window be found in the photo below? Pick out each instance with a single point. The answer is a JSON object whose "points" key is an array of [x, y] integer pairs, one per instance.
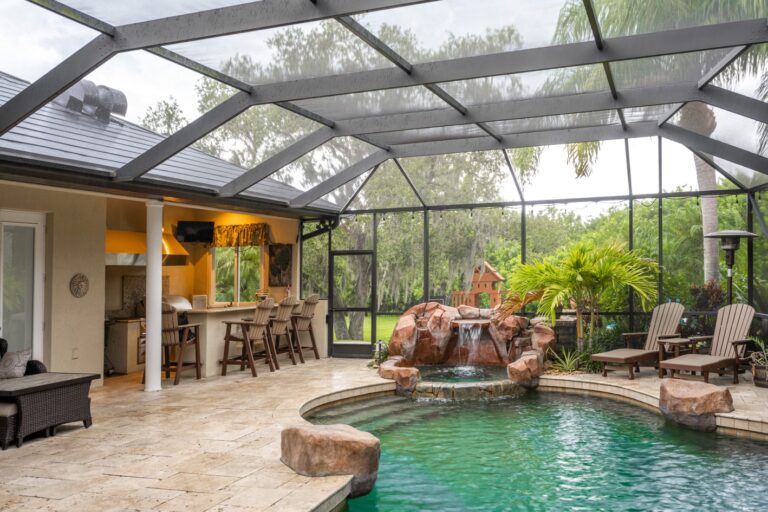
{"points": [[236, 273]]}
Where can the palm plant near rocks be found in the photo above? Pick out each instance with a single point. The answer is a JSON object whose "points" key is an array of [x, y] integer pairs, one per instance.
{"points": [[581, 276]]}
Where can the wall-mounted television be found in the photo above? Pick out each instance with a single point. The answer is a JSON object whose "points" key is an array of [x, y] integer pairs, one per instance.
{"points": [[194, 231]]}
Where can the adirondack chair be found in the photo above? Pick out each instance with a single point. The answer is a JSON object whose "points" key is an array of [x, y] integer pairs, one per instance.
{"points": [[252, 331], [726, 349], [665, 321]]}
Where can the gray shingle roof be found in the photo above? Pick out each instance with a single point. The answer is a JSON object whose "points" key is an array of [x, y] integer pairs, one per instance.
{"points": [[57, 135]]}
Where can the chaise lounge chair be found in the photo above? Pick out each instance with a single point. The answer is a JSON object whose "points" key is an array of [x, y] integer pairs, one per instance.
{"points": [[665, 320], [727, 346]]}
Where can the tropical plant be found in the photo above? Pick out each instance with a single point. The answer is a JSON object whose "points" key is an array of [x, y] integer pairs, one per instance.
{"points": [[759, 357], [567, 361], [581, 275]]}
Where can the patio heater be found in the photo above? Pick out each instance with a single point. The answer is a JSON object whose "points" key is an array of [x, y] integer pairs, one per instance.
{"points": [[729, 242]]}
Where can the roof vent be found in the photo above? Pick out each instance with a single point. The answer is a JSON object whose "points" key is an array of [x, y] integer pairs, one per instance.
{"points": [[97, 101]]}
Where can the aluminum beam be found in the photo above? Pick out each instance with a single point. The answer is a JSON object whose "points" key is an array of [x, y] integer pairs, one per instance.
{"points": [[714, 147], [719, 169], [341, 178], [278, 161], [553, 137], [187, 27], [175, 143], [519, 109], [724, 63], [721, 35]]}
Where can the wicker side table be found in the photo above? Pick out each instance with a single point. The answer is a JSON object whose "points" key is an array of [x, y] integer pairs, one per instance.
{"points": [[48, 400]]}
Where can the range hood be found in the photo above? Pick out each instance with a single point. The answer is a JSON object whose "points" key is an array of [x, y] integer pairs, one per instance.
{"points": [[129, 248]]}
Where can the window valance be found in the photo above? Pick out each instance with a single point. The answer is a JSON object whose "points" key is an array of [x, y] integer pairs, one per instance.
{"points": [[242, 235]]}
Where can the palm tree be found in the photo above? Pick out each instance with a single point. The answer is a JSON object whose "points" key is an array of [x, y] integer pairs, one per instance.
{"points": [[626, 17], [581, 276]]}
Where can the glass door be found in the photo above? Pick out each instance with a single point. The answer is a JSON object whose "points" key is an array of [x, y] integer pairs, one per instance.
{"points": [[21, 281], [351, 299]]}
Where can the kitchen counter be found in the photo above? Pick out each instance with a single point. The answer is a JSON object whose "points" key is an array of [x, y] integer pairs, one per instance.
{"points": [[212, 330], [220, 310]]}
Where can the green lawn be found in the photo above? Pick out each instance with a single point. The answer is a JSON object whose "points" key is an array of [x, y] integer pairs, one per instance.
{"points": [[385, 324]]}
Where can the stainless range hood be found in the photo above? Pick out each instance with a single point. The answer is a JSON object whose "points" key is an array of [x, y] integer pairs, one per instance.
{"points": [[129, 248]]}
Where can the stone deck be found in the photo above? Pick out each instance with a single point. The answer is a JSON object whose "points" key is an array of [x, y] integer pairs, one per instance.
{"points": [[209, 445], [214, 445]]}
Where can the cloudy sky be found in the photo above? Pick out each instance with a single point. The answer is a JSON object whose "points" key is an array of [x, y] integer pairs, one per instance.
{"points": [[34, 40]]}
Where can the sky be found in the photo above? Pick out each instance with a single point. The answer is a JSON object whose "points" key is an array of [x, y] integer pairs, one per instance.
{"points": [[34, 40]]}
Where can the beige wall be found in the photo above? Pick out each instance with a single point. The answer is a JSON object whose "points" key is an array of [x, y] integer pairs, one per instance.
{"points": [[74, 242]]}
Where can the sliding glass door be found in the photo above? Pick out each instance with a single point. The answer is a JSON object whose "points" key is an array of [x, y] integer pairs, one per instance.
{"points": [[21, 280]]}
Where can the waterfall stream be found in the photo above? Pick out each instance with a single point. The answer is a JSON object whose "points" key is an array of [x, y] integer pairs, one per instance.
{"points": [[469, 336]]}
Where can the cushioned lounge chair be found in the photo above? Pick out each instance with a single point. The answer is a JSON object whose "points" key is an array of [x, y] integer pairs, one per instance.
{"points": [[665, 320], [726, 349]]}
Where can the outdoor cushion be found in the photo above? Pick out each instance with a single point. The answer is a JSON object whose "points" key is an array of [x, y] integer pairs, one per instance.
{"points": [[8, 409], [14, 364], [625, 355]]}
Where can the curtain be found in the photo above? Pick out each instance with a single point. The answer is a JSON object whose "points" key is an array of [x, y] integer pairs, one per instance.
{"points": [[242, 235]]}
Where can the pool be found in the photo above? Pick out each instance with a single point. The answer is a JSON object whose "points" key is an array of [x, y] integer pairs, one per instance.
{"points": [[548, 451]]}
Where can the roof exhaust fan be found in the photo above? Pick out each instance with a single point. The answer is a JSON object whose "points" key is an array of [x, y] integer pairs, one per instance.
{"points": [[93, 100]]}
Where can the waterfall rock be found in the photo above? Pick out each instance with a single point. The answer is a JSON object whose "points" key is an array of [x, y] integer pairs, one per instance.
{"points": [[423, 310], [526, 370], [405, 377], [428, 334], [694, 404], [469, 312], [324, 450], [543, 338], [507, 329], [404, 336]]}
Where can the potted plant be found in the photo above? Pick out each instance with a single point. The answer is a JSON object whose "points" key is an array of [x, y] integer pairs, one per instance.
{"points": [[759, 360]]}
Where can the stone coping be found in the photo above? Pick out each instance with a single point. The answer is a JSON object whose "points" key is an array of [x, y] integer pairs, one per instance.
{"points": [[750, 419]]}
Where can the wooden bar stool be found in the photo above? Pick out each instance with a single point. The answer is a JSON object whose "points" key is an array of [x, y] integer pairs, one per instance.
{"points": [[302, 322], [281, 326], [250, 333], [180, 337]]}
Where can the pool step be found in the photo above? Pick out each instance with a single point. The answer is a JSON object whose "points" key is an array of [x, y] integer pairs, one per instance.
{"points": [[347, 413]]}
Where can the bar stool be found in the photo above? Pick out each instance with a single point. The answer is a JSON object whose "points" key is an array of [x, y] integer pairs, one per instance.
{"points": [[302, 322], [281, 326], [250, 333], [181, 337]]}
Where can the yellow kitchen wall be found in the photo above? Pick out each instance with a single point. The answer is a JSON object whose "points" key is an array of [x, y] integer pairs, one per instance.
{"points": [[196, 276], [74, 243]]}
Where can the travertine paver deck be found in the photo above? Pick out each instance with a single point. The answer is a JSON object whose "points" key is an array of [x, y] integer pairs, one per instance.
{"points": [[212, 445]]}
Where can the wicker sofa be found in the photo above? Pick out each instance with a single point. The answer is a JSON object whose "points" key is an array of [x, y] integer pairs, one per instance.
{"points": [[9, 411]]}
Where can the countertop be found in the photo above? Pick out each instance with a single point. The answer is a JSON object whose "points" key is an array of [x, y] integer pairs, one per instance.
{"points": [[226, 309]]}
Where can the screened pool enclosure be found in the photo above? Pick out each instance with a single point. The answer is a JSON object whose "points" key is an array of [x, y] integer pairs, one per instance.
{"points": [[415, 139]]}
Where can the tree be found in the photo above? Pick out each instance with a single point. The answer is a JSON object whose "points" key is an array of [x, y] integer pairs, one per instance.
{"points": [[165, 118], [580, 276], [629, 17]]}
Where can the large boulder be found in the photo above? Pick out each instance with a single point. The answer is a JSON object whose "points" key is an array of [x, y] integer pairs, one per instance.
{"points": [[507, 329], [469, 312], [439, 325], [403, 336], [543, 338], [405, 378], [324, 450], [424, 309], [526, 370], [694, 404]]}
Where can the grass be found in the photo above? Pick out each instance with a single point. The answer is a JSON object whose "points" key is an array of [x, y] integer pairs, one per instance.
{"points": [[385, 324]]}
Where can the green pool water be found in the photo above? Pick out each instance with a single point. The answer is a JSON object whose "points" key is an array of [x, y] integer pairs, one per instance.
{"points": [[548, 451]]}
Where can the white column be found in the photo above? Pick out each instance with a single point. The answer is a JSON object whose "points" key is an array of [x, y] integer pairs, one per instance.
{"points": [[154, 295]]}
